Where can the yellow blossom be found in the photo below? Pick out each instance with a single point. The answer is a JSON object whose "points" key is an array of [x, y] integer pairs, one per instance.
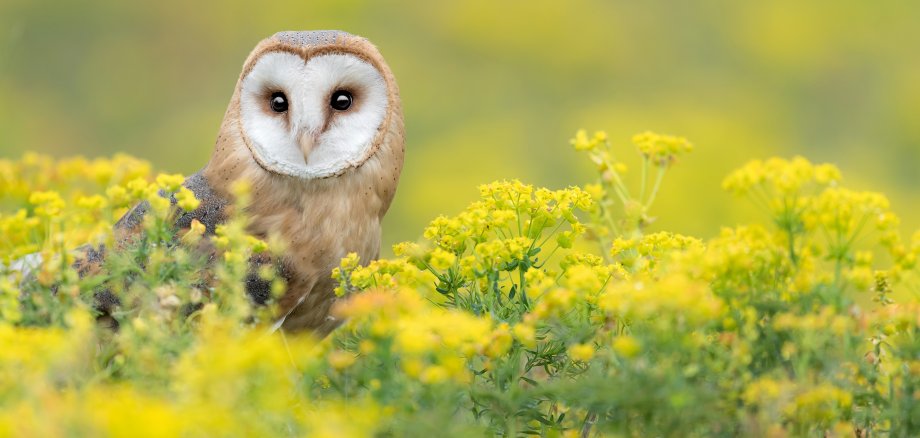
{"points": [[441, 260], [186, 200], [47, 204], [118, 196], [581, 352], [195, 231], [582, 142], [434, 374], [340, 360], [138, 188], [525, 334], [94, 202], [820, 404], [661, 149], [626, 346], [500, 343], [170, 182], [159, 205]]}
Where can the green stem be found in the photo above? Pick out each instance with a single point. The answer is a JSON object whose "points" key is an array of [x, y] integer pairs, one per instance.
{"points": [[792, 257], [658, 179], [622, 190], [644, 178], [511, 426], [521, 289]]}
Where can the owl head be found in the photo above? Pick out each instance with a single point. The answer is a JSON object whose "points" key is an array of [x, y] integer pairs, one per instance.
{"points": [[313, 105]]}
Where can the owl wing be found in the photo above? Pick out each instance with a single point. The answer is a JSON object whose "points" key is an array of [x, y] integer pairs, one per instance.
{"points": [[211, 211]]}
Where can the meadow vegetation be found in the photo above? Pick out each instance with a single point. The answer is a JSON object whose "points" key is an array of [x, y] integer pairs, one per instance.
{"points": [[533, 311]]}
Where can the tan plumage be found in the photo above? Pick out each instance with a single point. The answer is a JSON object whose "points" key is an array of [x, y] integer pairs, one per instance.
{"points": [[320, 218]]}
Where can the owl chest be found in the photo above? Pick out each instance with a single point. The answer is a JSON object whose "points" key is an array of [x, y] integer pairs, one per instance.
{"points": [[326, 229], [326, 235]]}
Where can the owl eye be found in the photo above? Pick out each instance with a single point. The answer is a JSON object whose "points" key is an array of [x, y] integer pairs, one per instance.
{"points": [[341, 100], [278, 102]]}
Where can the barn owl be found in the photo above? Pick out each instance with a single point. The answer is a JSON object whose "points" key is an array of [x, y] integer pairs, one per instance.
{"points": [[315, 126]]}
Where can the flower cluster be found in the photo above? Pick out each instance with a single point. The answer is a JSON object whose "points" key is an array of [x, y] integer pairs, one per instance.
{"points": [[582, 142], [661, 149], [779, 175], [41, 197], [820, 221], [619, 210]]}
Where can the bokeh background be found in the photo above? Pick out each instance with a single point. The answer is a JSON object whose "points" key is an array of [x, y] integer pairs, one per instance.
{"points": [[494, 90]]}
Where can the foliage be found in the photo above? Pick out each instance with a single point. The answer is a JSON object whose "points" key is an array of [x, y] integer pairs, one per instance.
{"points": [[531, 312]]}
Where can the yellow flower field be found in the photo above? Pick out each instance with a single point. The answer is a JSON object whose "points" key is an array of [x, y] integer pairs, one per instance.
{"points": [[534, 311]]}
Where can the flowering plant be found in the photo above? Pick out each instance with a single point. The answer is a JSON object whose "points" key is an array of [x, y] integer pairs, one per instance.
{"points": [[533, 311]]}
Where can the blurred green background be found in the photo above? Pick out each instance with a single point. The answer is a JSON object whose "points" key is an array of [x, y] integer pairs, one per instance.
{"points": [[494, 90]]}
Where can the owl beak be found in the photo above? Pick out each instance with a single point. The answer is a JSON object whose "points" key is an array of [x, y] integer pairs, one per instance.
{"points": [[306, 140]]}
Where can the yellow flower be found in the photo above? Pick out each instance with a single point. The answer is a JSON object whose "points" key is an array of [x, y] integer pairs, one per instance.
{"points": [[412, 367], [102, 171], [441, 260], [582, 142], [234, 257], [350, 261], [159, 205], [626, 346], [786, 177], [407, 249], [366, 347], [414, 340], [186, 200], [10, 311], [584, 278], [92, 203], [525, 334], [340, 360], [661, 149], [826, 174], [138, 188], [170, 183], [581, 352], [861, 276], [434, 374], [195, 231], [47, 204], [763, 392], [500, 342], [256, 245], [118, 196], [820, 404], [596, 191]]}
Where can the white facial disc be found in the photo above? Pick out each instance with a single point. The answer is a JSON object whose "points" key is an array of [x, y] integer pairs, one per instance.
{"points": [[341, 139]]}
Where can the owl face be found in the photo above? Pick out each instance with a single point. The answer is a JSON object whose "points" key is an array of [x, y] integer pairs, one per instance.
{"points": [[312, 114]]}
